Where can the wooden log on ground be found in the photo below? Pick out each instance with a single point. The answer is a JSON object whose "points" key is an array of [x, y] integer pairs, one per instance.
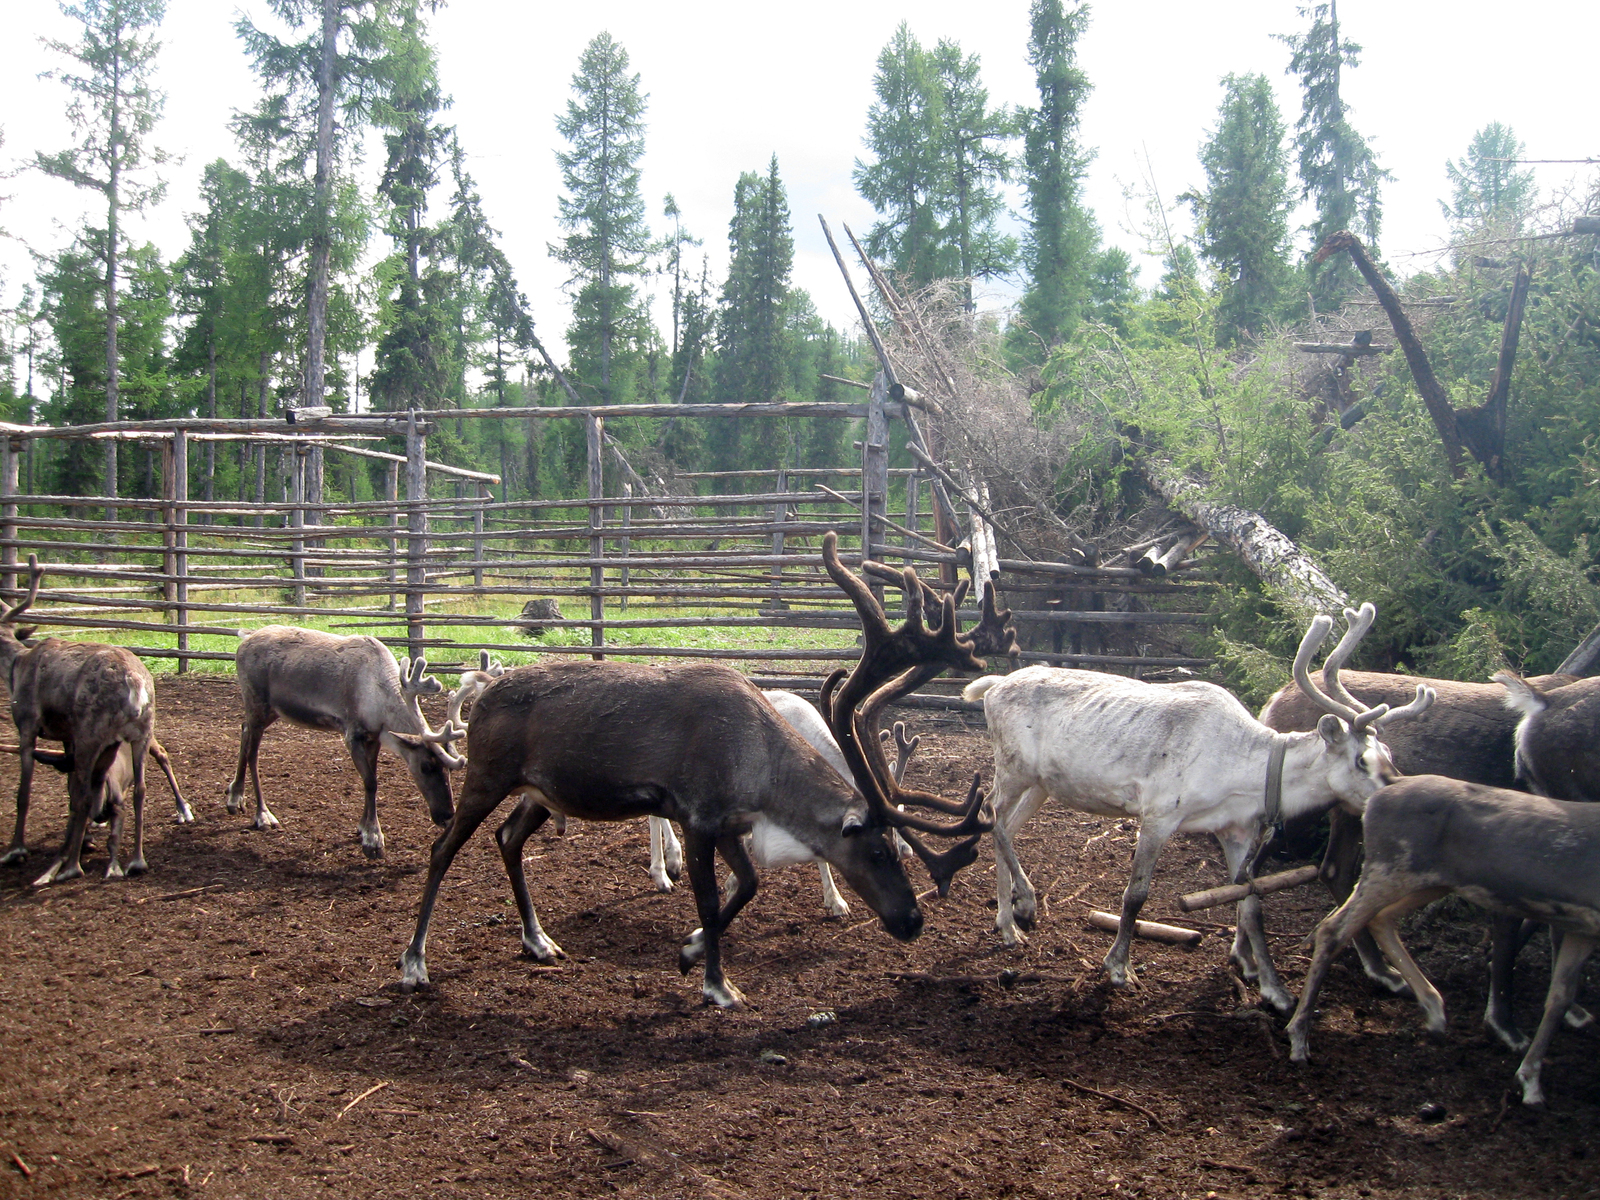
{"points": [[1353, 350], [1153, 931], [1233, 892]]}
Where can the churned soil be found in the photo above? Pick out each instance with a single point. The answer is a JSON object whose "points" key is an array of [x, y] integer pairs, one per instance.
{"points": [[228, 1025]]}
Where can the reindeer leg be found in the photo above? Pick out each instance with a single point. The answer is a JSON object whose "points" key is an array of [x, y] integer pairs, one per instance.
{"points": [[706, 942], [660, 831], [1341, 864], [185, 813], [84, 789], [835, 904], [1564, 975], [110, 807], [18, 850], [1011, 809], [1250, 950], [137, 864], [1153, 836], [364, 753], [1504, 943], [1384, 927], [525, 818], [477, 802]]}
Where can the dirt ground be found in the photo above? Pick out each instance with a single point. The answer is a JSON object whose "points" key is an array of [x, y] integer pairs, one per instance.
{"points": [[228, 1025]]}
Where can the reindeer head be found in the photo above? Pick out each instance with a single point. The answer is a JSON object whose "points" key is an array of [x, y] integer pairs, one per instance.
{"points": [[472, 685], [427, 754], [1359, 764], [895, 662], [12, 639]]}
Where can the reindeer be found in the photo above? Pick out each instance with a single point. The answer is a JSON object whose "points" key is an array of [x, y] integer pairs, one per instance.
{"points": [[1181, 757], [1542, 734], [351, 684], [700, 745], [666, 855], [1527, 857], [94, 700], [471, 684], [118, 778]]}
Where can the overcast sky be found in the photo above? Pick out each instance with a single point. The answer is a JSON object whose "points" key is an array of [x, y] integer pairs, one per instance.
{"points": [[730, 84]]}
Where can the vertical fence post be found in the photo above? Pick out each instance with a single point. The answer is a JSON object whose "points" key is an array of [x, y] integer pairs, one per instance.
{"points": [[627, 542], [875, 474], [913, 485], [297, 521], [169, 558], [180, 540], [477, 534], [417, 525], [594, 427], [314, 468], [780, 515], [391, 493], [8, 512]]}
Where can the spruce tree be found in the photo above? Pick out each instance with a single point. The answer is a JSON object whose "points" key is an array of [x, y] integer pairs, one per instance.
{"points": [[1242, 216], [607, 243], [1062, 240], [972, 142], [113, 111], [1486, 188], [1338, 170], [909, 172]]}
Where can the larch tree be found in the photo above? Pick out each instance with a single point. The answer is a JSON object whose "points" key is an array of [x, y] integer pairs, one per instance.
{"points": [[113, 111], [973, 143], [1061, 239], [1486, 188], [608, 243], [909, 171], [1242, 215], [1338, 171]]}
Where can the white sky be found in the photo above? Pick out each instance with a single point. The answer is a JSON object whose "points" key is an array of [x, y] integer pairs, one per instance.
{"points": [[732, 83]]}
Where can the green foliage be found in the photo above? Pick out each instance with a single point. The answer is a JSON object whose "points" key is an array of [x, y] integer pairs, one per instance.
{"points": [[1338, 170], [608, 242], [1475, 654], [1242, 217], [1487, 191]]}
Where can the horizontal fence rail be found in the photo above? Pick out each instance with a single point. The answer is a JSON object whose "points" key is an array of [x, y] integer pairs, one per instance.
{"points": [[703, 571]]}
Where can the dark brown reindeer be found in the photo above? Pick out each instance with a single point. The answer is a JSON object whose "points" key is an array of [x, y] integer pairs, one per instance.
{"points": [[1542, 734], [354, 686], [700, 745], [94, 700]]}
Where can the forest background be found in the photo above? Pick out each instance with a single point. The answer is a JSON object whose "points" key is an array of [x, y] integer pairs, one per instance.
{"points": [[644, 297]]}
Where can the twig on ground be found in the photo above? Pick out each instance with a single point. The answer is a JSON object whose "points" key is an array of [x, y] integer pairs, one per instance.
{"points": [[1133, 1104], [377, 1087]]}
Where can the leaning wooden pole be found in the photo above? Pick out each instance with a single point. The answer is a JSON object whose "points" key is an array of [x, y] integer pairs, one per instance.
{"points": [[180, 542], [875, 477], [12, 452], [417, 542], [595, 428]]}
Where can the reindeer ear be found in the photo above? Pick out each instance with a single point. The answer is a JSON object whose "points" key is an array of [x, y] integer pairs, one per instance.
{"points": [[855, 819], [483, 660], [1333, 730], [26, 632]]}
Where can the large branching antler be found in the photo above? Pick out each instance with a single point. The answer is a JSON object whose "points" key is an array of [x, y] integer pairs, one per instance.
{"points": [[1337, 699], [895, 662], [35, 573]]}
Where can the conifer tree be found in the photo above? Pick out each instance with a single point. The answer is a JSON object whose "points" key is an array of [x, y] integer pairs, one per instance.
{"points": [[1242, 216], [113, 111], [1062, 240], [1338, 170], [1486, 188], [607, 243]]}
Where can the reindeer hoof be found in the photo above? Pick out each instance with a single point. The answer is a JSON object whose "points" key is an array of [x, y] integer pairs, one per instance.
{"points": [[138, 867], [265, 821], [17, 854], [114, 870], [371, 847], [1011, 935], [1510, 1036], [542, 949], [58, 873], [839, 908], [1282, 1001], [723, 995], [413, 972], [185, 814], [1578, 1017], [662, 881], [692, 952]]}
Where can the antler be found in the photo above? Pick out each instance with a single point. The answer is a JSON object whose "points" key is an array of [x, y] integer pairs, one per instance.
{"points": [[35, 573], [904, 748], [472, 684], [893, 663]]}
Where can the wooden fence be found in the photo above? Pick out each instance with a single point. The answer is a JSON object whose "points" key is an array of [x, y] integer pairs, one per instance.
{"points": [[635, 556]]}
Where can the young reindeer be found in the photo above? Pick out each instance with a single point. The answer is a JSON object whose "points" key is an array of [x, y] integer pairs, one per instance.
{"points": [[1527, 857], [700, 745], [353, 685], [666, 856], [95, 700], [1181, 758]]}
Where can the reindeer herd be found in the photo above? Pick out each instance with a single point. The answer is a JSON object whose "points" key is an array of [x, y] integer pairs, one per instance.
{"points": [[1476, 790]]}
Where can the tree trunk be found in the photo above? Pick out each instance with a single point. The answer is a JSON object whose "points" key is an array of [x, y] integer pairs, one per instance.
{"points": [[112, 196], [1275, 560], [321, 216]]}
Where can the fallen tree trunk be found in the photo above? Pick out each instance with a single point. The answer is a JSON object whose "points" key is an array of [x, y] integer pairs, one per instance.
{"points": [[1275, 560]]}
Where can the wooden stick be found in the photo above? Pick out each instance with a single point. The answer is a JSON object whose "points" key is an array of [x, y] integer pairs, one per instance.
{"points": [[1152, 930], [1138, 1108], [377, 1087], [1232, 892]]}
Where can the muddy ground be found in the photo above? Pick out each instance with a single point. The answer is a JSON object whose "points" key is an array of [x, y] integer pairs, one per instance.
{"points": [[228, 1026]]}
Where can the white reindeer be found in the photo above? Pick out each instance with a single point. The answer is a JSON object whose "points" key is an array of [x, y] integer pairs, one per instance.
{"points": [[1178, 757], [666, 855], [352, 685]]}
